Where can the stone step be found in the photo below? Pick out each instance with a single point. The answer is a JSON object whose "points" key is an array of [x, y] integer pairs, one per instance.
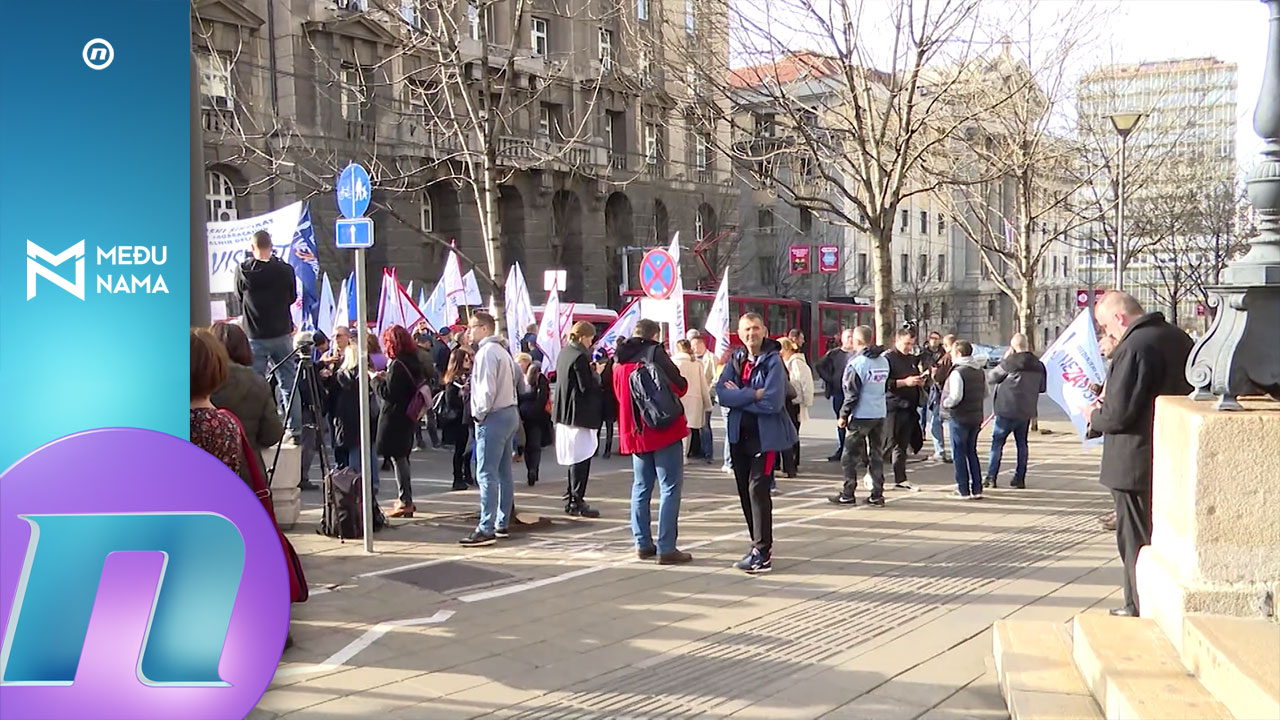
{"points": [[1236, 659], [1135, 673], [1037, 674]]}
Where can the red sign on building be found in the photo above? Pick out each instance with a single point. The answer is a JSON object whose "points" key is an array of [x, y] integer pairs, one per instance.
{"points": [[800, 259], [1082, 297], [829, 259]]}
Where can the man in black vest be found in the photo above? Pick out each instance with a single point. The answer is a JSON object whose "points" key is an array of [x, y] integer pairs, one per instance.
{"points": [[962, 399], [1148, 360], [902, 415]]}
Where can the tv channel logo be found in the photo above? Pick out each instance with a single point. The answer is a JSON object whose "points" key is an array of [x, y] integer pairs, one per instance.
{"points": [[40, 264], [140, 578]]}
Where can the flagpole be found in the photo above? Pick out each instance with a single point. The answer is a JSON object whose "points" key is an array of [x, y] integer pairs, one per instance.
{"points": [[366, 439]]}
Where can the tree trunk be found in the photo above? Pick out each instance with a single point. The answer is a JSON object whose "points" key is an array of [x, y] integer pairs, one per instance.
{"points": [[1027, 310], [882, 270], [491, 225]]}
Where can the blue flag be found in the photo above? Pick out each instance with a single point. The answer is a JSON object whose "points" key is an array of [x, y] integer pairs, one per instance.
{"points": [[302, 256]]}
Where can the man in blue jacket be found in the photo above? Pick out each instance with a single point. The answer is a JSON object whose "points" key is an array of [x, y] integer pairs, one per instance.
{"points": [[753, 385], [862, 417]]}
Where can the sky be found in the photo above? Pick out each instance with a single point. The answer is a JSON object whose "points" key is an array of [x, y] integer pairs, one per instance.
{"points": [[1121, 32]]}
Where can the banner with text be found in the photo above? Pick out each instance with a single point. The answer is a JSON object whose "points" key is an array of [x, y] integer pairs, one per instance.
{"points": [[229, 242], [1073, 362]]}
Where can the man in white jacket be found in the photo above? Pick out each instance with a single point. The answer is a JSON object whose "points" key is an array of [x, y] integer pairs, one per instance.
{"points": [[493, 409]]}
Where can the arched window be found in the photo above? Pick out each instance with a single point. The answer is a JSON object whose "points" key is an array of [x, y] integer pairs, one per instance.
{"points": [[220, 195], [426, 214], [697, 227]]}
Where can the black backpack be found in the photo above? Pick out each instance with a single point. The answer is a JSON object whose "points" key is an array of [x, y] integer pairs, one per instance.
{"points": [[343, 515], [654, 402]]}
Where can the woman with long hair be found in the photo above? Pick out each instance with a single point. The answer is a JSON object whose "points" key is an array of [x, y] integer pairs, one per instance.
{"points": [[453, 414], [396, 387], [801, 379], [534, 402], [697, 400], [578, 414], [246, 393], [211, 429]]}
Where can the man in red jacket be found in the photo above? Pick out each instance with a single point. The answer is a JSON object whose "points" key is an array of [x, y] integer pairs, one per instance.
{"points": [[657, 454]]}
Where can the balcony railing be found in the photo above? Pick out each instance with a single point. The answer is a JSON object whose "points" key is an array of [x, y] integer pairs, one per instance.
{"points": [[216, 121], [362, 131]]}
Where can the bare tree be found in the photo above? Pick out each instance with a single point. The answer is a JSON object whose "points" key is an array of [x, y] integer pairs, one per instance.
{"points": [[477, 111], [862, 118]]}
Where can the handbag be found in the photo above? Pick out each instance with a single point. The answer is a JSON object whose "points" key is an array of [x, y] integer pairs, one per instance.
{"points": [[298, 590]]}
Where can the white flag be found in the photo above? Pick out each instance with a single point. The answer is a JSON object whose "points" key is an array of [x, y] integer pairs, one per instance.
{"points": [[295, 310], [341, 313], [550, 334], [621, 328], [422, 298], [394, 306], [518, 307], [455, 291], [676, 299], [408, 289], [718, 319], [1073, 362], [471, 288], [324, 315], [437, 310]]}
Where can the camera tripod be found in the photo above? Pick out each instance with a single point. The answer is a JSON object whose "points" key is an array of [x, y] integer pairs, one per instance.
{"points": [[303, 376]]}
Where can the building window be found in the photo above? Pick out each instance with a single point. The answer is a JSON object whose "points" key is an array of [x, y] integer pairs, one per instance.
{"points": [[928, 311], [764, 221], [765, 125], [924, 267], [642, 9], [942, 264], [991, 309], [426, 215], [409, 12], [539, 36], [904, 268], [1055, 265], [651, 143], [215, 81], [924, 222], [1046, 339], [606, 50], [691, 79], [473, 19], [690, 21], [906, 220], [351, 93], [698, 228], [221, 198], [645, 67], [544, 121], [806, 220], [768, 271], [701, 150], [862, 268], [1064, 266], [942, 223], [942, 315]]}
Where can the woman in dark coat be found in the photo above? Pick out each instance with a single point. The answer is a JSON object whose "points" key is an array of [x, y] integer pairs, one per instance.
{"points": [[577, 414], [609, 407], [396, 387], [247, 395], [453, 414], [533, 400]]}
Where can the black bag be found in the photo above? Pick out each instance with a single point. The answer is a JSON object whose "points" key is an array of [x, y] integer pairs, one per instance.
{"points": [[445, 413], [343, 515], [654, 402]]}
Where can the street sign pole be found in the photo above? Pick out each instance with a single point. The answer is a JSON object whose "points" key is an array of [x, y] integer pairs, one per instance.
{"points": [[366, 433]]}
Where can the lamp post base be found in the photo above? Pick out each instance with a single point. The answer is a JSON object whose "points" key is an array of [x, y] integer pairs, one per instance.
{"points": [[1239, 355]]}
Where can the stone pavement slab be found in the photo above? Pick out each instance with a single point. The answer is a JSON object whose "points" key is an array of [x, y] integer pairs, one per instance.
{"points": [[870, 612]]}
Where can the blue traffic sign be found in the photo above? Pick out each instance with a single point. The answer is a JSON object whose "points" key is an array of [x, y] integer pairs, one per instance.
{"points": [[354, 234], [353, 191]]}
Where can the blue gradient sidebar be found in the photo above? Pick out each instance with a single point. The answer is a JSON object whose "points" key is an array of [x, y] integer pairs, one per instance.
{"points": [[94, 218]]}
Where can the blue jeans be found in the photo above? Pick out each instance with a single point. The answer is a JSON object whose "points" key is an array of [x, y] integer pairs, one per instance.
{"points": [[708, 443], [666, 467], [935, 425], [493, 458], [728, 460], [268, 352], [964, 451], [1004, 426]]}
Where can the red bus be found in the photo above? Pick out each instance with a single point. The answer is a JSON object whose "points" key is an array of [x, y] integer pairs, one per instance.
{"points": [[821, 328]]}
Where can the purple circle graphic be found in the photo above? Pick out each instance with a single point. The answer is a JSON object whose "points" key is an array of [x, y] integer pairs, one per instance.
{"points": [[128, 471]]}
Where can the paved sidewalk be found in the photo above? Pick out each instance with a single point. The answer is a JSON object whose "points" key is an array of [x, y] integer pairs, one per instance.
{"points": [[869, 612]]}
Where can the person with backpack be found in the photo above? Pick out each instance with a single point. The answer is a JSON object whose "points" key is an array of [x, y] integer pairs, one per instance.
{"points": [[753, 386], [652, 428], [578, 412], [396, 387]]}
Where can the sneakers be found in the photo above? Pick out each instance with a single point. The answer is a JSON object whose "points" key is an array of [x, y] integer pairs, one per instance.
{"points": [[843, 499], [501, 533], [755, 562], [646, 553], [460, 485], [1017, 484], [583, 510], [876, 501], [989, 482], [836, 457], [477, 538], [675, 557], [904, 485], [957, 495]]}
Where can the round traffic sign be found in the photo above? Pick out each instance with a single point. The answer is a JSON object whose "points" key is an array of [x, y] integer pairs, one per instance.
{"points": [[658, 274], [354, 191]]}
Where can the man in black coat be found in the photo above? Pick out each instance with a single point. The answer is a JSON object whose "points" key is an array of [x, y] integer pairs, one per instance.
{"points": [[902, 417], [266, 288], [1149, 360], [577, 408]]}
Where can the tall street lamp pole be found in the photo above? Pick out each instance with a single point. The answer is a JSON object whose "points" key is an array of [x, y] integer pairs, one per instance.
{"points": [[1124, 124]]}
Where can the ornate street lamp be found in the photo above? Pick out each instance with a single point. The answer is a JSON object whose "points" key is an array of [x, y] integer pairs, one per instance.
{"points": [[1124, 124], [1240, 355]]}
